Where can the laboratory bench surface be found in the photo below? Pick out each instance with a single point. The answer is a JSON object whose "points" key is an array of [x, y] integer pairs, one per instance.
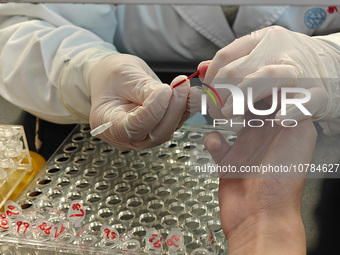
{"points": [[320, 198]]}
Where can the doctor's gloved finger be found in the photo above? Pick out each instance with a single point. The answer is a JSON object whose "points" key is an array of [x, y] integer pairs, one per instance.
{"points": [[174, 113], [218, 97], [239, 48], [315, 106], [149, 71], [193, 105], [202, 69], [143, 120], [217, 146], [142, 88], [195, 97], [267, 81]]}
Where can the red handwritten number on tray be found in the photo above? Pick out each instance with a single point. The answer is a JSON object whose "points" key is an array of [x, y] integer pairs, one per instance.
{"points": [[4, 221], [211, 238], [62, 229], [25, 224], [10, 213], [77, 207], [170, 241], [44, 228], [156, 244], [108, 232]]}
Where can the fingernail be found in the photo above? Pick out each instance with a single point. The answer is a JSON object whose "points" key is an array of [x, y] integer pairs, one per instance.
{"points": [[213, 143], [227, 109], [291, 113], [292, 117], [237, 128]]}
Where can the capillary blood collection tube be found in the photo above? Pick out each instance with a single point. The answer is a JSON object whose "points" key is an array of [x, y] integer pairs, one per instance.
{"points": [[100, 129]]}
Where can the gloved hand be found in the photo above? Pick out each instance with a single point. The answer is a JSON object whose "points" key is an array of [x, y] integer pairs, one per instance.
{"points": [[288, 59], [119, 83]]}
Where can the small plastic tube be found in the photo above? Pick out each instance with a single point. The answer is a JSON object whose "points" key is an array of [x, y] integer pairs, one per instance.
{"points": [[100, 129]]}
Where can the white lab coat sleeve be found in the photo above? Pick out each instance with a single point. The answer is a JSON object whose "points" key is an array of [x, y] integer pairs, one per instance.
{"points": [[74, 89], [33, 55], [332, 127]]}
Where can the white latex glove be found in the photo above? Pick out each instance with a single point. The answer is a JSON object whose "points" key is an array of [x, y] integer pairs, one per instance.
{"points": [[287, 57], [119, 83]]}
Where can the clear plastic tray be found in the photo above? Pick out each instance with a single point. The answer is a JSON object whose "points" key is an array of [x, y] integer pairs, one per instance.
{"points": [[129, 190]]}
